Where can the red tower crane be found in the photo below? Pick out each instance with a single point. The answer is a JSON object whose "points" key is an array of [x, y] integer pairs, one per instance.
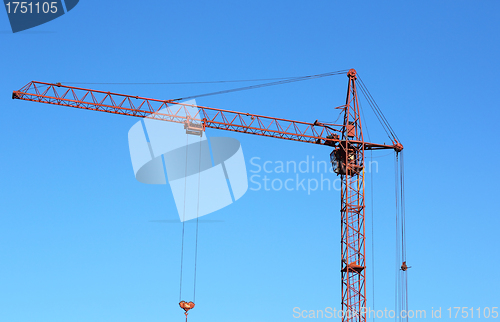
{"points": [[345, 139]]}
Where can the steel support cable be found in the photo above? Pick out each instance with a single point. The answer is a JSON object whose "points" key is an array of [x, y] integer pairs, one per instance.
{"points": [[378, 112], [186, 83], [375, 106], [286, 81], [276, 81], [386, 122], [375, 111]]}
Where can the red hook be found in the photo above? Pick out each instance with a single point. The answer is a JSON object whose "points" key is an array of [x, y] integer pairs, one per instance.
{"points": [[186, 306]]}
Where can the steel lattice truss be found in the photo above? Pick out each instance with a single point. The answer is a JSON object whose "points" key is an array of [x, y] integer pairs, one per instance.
{"points": [[353, 211], [168, 110]]}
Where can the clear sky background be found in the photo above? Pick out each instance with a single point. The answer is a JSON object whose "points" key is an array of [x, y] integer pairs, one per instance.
{"points": [[82, 240]]}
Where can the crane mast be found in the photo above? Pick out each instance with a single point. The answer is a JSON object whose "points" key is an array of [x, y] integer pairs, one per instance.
{"points": [[347, 156]]}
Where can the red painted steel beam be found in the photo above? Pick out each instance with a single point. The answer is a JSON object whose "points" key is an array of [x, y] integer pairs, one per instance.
{"points": [[172, 111]]}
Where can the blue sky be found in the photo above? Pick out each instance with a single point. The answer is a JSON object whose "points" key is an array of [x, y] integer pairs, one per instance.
{"points": [[82, 240]]}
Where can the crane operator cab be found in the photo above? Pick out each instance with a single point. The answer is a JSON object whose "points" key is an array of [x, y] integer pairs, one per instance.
{"points": [[338, 158], [344, 158]]}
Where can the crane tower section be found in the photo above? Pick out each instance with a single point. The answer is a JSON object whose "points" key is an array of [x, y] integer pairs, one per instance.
{"points": [[348, 162]]}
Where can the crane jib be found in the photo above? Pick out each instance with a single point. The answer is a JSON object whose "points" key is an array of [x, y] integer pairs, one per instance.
{"points": [[207, 117]]}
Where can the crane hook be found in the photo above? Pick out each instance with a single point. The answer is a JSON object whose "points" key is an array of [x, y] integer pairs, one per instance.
{"points": [[404, 267], [186, 306]]}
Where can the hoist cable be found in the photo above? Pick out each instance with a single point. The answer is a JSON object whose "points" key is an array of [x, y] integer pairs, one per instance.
{"points": [[197, 222], [403, 235], [401, 273], [183, 217], [182, 255], [403, 213], [397, 284]]}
